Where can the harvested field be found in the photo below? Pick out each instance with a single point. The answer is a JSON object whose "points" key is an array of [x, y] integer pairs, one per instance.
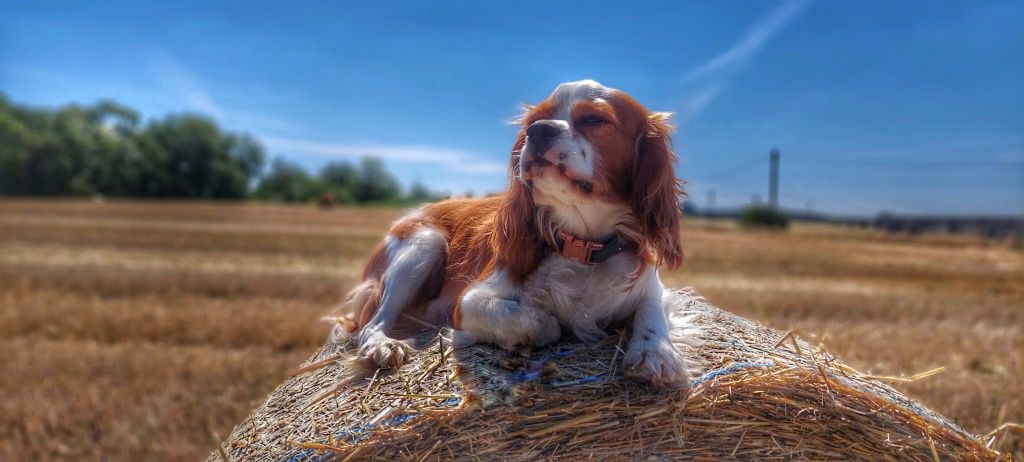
{"points": [[135, 330]]}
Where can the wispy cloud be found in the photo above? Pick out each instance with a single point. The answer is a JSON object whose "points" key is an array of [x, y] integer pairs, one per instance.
{"points": [[709, 79], [740, 53], [699, 99], [450, 159], [180, 85], [186, 85], [176, 87]]}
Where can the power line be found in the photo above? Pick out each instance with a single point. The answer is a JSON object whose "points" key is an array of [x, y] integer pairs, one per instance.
{"points": [[733, 169], [824, 164], [833, 162], [915, 163]]}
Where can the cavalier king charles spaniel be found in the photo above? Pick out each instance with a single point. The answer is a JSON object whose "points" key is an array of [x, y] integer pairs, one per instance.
{"points": [[574, 244]]}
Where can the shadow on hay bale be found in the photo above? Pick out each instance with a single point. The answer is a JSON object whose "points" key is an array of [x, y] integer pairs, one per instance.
{"points": [[750, 400]]}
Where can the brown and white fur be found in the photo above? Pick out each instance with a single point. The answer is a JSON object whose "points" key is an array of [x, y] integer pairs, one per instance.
{"points": [[589, 161]]}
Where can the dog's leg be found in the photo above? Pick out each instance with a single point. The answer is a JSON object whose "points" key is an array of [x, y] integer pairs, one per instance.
{"points": [[492, 312], [651, 356], [410, 262], [588, 331]]}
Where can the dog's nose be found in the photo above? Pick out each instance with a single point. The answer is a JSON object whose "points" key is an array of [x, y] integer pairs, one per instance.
{"points": [[543, 130], [542, 134]]}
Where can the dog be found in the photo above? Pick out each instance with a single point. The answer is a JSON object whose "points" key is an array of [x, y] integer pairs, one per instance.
{"points": [[591, 211]]}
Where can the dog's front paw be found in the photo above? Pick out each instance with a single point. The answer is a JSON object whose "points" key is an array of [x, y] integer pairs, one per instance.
{"points": [[658, 362], [528, 326], [383, 350]]}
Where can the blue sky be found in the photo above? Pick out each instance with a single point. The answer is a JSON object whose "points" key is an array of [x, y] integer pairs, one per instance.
{"points": [[906, 106]]}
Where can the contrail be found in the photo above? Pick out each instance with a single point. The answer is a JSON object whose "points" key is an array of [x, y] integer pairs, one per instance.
{"points": [[713, 74]]}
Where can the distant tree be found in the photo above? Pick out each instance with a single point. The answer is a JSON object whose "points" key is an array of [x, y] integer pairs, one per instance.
{"points": [[76, 150], [114, 117], [103, 149], [418, 192], [47, 152], [340, 180], [248, 154], [689, 208], [186, 156], [375, 183], [763, 217], [287, 182], [113, 168], [20, 137]]}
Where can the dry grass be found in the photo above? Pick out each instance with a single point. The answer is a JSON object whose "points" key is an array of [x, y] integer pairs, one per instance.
{"points": [[133, 330], [758, 394]]}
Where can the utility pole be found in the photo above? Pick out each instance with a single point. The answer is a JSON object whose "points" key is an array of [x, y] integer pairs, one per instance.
{"points": [[773, 179]]}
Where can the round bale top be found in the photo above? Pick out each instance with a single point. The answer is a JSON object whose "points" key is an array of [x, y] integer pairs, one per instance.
{"points": [[757, 394]]}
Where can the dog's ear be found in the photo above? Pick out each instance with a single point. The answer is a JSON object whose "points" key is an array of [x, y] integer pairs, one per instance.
{"points": [[516, 241], [656, 193]]}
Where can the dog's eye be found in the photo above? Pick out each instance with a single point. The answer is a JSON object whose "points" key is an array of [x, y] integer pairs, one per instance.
{"points": [[591, 121]]}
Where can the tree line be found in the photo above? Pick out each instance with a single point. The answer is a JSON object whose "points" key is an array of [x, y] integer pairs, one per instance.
{"points": [[105, 149]]}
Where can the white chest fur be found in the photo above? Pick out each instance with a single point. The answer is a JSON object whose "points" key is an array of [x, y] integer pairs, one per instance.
{"points": [[586, 298]]}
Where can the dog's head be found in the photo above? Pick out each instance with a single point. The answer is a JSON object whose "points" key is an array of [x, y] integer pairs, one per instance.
{"points": [[588, 144]]}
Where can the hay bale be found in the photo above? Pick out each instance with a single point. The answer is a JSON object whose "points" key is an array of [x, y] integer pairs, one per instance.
{"points": [[754, 398]]}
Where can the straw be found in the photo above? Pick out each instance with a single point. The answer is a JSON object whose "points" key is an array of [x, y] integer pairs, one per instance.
{"points": [[757, 394]]}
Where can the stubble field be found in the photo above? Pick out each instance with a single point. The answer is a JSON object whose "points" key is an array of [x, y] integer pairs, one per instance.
{"points": [[137, 330]]}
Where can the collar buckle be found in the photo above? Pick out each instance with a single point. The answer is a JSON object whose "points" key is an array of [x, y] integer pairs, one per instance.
{"points": [[580, 250]]}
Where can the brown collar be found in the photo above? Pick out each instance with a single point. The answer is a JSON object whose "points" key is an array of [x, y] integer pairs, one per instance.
{"points": [[587, 252]]}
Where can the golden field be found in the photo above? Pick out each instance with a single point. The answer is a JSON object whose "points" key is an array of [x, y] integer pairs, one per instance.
{"points": [[138, 330]]}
